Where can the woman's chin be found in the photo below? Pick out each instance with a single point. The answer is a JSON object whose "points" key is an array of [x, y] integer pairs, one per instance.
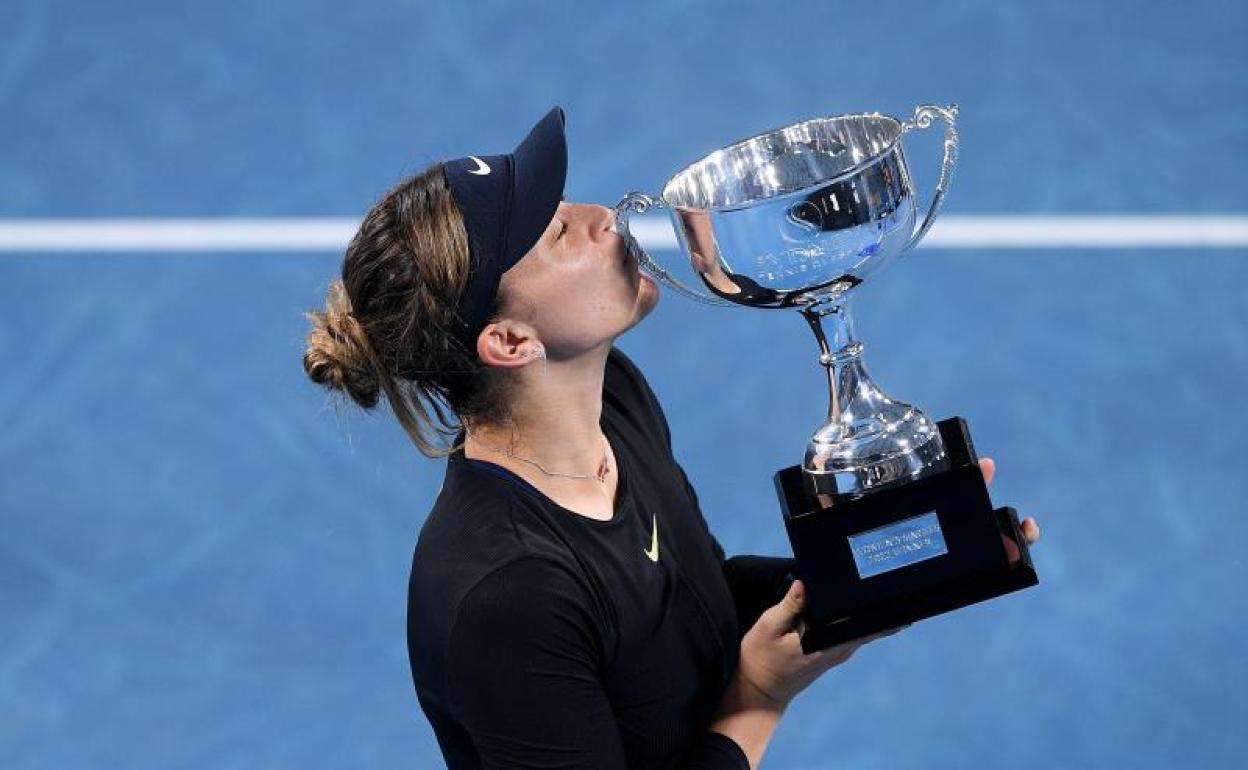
{"points": [[647, 295]]}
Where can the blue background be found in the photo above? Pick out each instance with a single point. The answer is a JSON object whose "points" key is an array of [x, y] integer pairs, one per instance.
{"points": [[203, 559]]}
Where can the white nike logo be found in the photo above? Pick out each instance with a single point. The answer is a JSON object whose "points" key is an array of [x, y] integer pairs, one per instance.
{"points": [[482, 169], [653, 551]]}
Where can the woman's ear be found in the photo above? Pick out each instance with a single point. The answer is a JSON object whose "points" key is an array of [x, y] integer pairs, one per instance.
{"points": [[508, 344]]}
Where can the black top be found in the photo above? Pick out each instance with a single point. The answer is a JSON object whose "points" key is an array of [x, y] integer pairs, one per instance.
{"points": [[539, 637]]}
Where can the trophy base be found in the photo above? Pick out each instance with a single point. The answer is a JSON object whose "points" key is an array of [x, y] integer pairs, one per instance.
{"points": [[902, 553]]}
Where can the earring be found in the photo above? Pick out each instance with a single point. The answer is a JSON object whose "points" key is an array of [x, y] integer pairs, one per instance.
{"points": [[539, 351]]}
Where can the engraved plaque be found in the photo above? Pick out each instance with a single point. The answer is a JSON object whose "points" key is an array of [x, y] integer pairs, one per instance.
{"points": [[898, 545]]}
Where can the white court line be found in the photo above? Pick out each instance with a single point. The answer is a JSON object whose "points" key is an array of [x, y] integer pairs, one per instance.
{"points": [[317, 234]]}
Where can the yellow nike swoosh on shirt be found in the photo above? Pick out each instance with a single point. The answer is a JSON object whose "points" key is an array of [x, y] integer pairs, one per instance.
{"points": [[653, 551]]}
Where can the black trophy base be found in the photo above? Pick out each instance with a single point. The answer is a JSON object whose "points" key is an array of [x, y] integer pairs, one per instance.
{"points": [[902, 553]]}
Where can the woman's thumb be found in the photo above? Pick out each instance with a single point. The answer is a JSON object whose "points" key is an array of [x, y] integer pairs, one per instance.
{"points": [[783, 616]]}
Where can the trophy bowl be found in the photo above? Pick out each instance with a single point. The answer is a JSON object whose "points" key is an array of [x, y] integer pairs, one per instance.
{"points": [[888, 513], [797, 217]]}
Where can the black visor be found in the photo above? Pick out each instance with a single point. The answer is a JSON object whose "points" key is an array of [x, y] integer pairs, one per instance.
{"points": [[507, 202]]}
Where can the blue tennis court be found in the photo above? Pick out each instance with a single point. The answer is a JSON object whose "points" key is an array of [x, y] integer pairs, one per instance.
{"points": [[205, 560]]}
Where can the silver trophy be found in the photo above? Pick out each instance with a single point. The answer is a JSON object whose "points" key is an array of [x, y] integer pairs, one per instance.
{"points": [[797, 217]]}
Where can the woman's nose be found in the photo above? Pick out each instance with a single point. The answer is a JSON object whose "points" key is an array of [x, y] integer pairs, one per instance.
{"points": [[595, 220], [605, 219]]}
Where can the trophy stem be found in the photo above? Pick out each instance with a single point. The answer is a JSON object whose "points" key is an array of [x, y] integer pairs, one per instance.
{"points": [[868, 440], [846, 345]]}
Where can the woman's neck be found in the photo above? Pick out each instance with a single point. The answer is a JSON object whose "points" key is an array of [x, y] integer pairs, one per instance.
{"points": [[553, 438], [554, 416]]}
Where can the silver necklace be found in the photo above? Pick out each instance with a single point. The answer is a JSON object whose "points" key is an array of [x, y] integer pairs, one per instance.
{"points": [[604, 469]]}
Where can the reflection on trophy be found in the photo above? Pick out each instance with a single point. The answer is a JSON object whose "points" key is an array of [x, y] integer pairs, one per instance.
{"points": [[888, 514]]}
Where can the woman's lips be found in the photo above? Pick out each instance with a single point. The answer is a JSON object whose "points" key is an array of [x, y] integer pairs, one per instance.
{"points": [[626, 254], [629, 246]]}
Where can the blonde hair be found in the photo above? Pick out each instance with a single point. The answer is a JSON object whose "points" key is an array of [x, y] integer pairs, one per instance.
{"points": [[388, 323]]}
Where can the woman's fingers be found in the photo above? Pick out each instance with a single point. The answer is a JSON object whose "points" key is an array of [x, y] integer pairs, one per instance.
{"points": [[1031, 530], [988, 468], [786, 616]]}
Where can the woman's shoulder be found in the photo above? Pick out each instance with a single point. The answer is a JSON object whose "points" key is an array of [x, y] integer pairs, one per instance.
{"points": [[479, 523], [472, 525]]}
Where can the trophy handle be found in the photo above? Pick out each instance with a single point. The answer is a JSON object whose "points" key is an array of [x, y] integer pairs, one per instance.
{"points": [[640, 203], [922, 119]]}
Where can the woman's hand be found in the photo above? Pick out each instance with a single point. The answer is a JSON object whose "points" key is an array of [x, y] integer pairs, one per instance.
{"points": [[771, 670], [772, 664]]}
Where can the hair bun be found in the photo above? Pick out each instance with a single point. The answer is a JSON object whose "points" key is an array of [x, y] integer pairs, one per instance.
{"points": [[338, 354]]}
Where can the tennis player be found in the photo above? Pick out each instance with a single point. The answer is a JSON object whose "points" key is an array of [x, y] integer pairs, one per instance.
{"points": [[568, 606]]}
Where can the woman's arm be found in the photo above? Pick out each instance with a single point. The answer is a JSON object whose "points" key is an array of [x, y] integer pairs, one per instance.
{"points": [[748, 718]]}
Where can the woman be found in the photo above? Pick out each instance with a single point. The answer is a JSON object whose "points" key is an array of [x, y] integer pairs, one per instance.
{"points": [[567, 605]]}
